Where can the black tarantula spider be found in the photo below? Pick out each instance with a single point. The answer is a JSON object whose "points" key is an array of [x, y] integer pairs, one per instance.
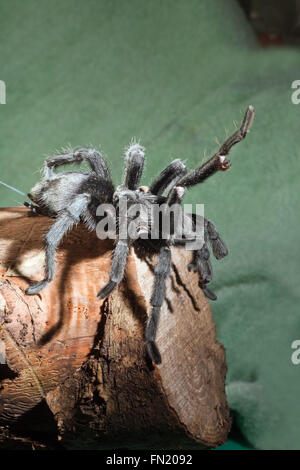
{"points": [[74, 196]]}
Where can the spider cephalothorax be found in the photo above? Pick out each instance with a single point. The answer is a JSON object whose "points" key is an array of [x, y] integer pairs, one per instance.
{"points": [[75, 196]]}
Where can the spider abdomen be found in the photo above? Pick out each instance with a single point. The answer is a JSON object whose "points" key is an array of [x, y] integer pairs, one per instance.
{"points": [[56, 194]]}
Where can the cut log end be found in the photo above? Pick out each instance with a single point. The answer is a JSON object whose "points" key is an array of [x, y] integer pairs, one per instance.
{"points": [[81, 363]]}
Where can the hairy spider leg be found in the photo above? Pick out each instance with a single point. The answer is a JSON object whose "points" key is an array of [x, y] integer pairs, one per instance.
{"points": [[201, 258], [134, 165], [117, 268], [202, 265], [161, 273], [218, 245], [92, 156], [201, 261], [168, 176], [134, 158], [218, 161], [64, 222]]}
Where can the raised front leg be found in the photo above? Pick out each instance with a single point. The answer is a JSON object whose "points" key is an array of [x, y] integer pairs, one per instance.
{"points": [[62, 224], [219, 161], [161, 272]]}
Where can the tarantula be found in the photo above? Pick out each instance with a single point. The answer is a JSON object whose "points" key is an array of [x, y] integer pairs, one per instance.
{"points": [[74, 196]]}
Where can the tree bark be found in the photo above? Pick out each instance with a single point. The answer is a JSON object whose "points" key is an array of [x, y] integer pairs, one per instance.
{"points": [[74, 372]]}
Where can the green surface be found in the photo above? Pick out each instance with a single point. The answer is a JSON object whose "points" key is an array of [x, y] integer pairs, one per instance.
{"points": [[233, 445], [175, 74]]}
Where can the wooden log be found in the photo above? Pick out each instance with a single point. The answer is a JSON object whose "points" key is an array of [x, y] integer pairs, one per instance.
{"points": [[74, 368]]}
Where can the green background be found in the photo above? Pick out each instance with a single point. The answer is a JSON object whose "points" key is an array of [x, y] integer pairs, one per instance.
{"points": [[175, 74]]}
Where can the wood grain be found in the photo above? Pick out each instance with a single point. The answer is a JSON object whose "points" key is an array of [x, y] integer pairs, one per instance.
{"points": [[83, 359]]}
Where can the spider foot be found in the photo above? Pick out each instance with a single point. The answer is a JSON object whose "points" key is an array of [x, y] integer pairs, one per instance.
{"points": [[219, 248], [206, 291], [202, 264], [153, 352], [106, 290], [204, 268], [193, 267], [217, 244], [36, 287]]}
